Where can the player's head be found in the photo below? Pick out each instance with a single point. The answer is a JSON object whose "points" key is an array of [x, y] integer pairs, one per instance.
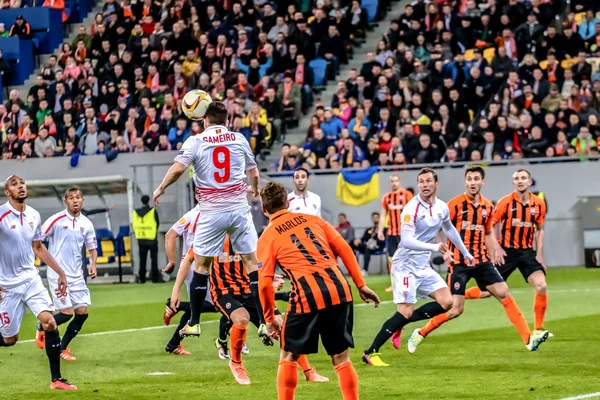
{"points": [[216, 114], [522, 180], [395, 182], [474, 179], [300, 179], [73, 200], [274, 198], [15, 188], [427, 180]]}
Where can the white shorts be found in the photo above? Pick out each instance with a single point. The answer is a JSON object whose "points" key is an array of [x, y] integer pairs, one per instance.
{"points": [[78, 294], [31, 294], [408, 284], [211, 230]]}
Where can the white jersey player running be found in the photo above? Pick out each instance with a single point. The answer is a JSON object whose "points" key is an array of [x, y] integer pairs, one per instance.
{"points": [[301, 200], [20, 283], [67, 232], [221, 160], [412, 275]]}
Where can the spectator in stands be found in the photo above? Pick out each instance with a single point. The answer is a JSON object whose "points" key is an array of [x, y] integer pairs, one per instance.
{"points": [[345, 229], [369, 243], [275, 113], [289, 94], [3, 32], [44, 142], [21, 28]]}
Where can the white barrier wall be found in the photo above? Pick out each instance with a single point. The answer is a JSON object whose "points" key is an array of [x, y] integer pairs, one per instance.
{"points": [[562, 183]]}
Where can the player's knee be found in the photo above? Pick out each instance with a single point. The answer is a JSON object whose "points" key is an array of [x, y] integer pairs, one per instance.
{"points": [[446, 303], [341, 358], [540, 286], [240, 317], [11, 341], [81, 311], [455, 311], [49, 325]]}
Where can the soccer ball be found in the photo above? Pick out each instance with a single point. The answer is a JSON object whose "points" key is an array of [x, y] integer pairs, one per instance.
{"points": [[194, 104]]}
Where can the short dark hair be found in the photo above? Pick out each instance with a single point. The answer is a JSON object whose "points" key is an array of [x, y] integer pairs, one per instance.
{"points": [[72, 190], [300, 169], [375, 213], [424, 171], [524, 170], [475, 169], [216, 113], [145, 199], [273, 197]]}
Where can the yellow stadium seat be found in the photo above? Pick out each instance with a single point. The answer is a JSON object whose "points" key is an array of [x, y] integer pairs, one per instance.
{"points": [[489, 54], [108, 248], [543, 64], [469, 54], [579, 17], [127, 243], [568, 63], [37, 262], [125, 259], [102, 260]]}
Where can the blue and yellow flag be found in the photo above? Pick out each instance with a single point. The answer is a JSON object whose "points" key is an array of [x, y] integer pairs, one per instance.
{"points": [[358, 187]]}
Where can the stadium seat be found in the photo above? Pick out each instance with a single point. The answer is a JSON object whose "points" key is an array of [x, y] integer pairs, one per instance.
{"points": [[319, 68], [579, 17], [371, 6], [469, 54], [543, 64], [568, 63], [489, 54]]}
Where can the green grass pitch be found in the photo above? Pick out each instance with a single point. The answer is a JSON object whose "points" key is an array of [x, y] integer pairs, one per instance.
{"points": [[478, 356]]}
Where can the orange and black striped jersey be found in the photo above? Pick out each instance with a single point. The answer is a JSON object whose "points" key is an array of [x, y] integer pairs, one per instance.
{"points": [[519, 220], [393, 203], [227, 275], [301, 245], [472, 223]]}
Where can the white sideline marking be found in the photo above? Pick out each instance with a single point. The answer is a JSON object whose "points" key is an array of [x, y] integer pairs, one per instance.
{"points": [[153, 328], [583, 396], [160, 373]]}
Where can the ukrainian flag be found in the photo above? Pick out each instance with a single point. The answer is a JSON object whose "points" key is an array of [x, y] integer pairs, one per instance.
{"points": [[358, 187]]}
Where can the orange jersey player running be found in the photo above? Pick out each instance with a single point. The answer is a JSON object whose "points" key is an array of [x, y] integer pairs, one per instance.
{"points": [[231, 294], [320, 304], [521, 217], [472, 215]]}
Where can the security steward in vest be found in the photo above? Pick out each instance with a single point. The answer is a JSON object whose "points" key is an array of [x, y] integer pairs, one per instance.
{"points": [[145, 227]]}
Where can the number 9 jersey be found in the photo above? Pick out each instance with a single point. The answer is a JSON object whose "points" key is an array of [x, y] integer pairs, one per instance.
{"points": [[220, 159]]}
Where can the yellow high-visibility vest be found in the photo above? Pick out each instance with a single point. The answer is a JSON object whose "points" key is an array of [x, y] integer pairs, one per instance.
{"points": [[145, 228]]}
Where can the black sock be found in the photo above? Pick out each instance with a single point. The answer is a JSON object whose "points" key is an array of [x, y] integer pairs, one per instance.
{"points": [[2, 342], [254, 288], [53, 353], [224, 326], [395, 322], [282, 296], [208, 307], [198, 288], [185, 307], [72, 330], [176, 338], [426, 311], [61, 318]]}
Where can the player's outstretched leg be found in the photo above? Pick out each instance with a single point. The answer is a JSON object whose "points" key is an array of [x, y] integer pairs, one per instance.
{"points": [[174, 346], [198, 289], [52, 345], [310, 373], [426, 311], [73, 329], [419, 335], [240, 319], [395, 323], [60, 317]]}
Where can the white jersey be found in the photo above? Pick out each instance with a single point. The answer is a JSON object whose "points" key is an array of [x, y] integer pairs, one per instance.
{"points": [[220, 159], [422, 222], [66, 237], [186, 228], [18, 231], [307, 204]]}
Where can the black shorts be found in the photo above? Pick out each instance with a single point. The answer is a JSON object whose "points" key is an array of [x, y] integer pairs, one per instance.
{"points": [[228, 303], [524, 260], [392, 243], [300, 332], [485, 274]]}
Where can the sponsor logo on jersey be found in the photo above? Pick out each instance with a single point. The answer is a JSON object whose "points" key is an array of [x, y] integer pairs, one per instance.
{"points": [[65, 227], [532, 210], [228, 306], [31, 225], [456, 285], [13, 227], [521, 224], [259, 265], [484, 213], [182, 221], [407, 218], [82, 229]]}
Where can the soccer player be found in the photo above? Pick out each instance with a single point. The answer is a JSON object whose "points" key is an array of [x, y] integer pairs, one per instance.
{"points": [[392, 204], [20, 283], [521, 217], [320, 305], [186, 227], [412, 275], [221, 160], [301, 199], [472, 215], [67, 233]]}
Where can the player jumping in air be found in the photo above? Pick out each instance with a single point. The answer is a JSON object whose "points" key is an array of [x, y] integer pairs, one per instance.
{"points": [[320, 305], [229, 285], [521, 216], [186, 227], [221, 160], [67, 232], [20, 283], [412, 275], [472, 215]]}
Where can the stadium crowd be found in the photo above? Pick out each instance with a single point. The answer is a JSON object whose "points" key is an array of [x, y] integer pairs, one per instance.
{"points": [[117, 86], [465, 81]]}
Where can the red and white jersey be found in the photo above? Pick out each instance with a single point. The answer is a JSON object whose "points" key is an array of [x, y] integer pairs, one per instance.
{"points": [[186, 228], [220, 159], [66, 236], [18, 231], [310, 203]]}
